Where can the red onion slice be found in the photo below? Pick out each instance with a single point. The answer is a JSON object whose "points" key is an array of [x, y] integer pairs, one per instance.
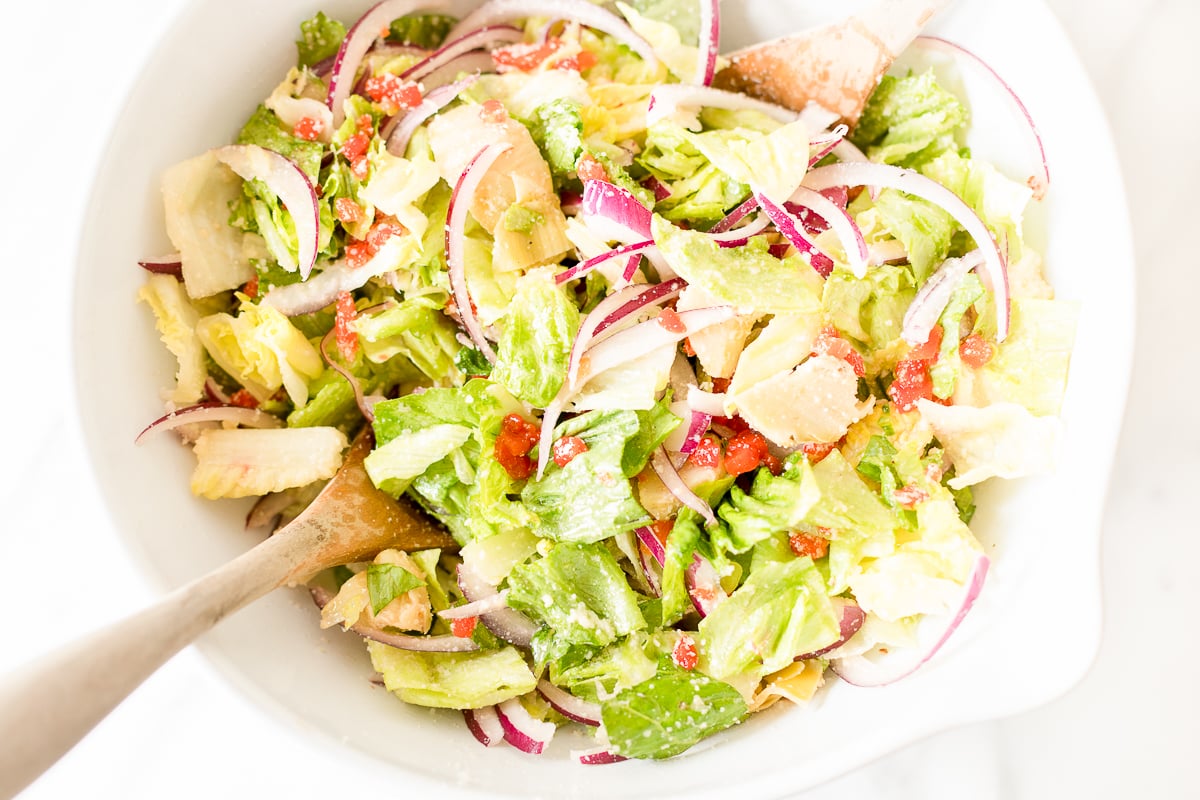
{"points": [[171, 264], [211, 412], [401, 641], [359, 40], [667, 99], [399, 133], [660, 462], [840, 221], [485, 38], [704, 585], [582, 269], [283, 177], [927, 307], [661, 192], [862, 671], [214, 391], [596, 756], [628, 221], [484, 725], [268, 508], [1038, 184], [652, 544], [631, 268], [916, 184], [849, 622], [569, 705], [467, 64], [825, 143], [478, 608], [460, 203], [510, 625], [710, 41], [793, 231], [366, 407], [522, 731], [589, 14], [635, 342], [735, 216], [738, 237], [697, 427]]}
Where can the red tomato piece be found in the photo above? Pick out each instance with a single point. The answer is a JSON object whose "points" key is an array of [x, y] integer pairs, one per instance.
{"points": [[929, 350], [243, 399], [463, 628], [356, 146], [685, 654], [911, 383], [745, 451], [308, 128], [707, 453], [347, 339], [975, 351], [517, 437], [806, 544], [358, 253], [392, 93], [251, 288], [384, 228], [565, 449], [525, 56], [815, 452], [830, 343], [493, 111], [670, 321], [347, 211], [589, 169], [720, 385]]}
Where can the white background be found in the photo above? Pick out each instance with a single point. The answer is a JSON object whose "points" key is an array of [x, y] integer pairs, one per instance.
{"points": [[1132, 727]]}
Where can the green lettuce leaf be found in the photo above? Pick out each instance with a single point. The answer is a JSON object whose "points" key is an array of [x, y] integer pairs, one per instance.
{"points": [[774, 163], [925, 230], [870, 309], [386, 582], [579, 592], [1030, 368], [773, 504], [536, 344], [416, 330], [557, 128], [667, 714], [909, 120], [948, 366], [452, 680], [320, 38], [176, 318], [593, 674], [393, 466], [427, 31], [701, 194]]}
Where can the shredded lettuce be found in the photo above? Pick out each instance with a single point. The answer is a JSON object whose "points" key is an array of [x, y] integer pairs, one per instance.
{"points": [[536, 345], [909, 120]]}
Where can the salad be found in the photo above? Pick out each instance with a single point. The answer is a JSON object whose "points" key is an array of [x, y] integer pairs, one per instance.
{"points": [[700, 385]]}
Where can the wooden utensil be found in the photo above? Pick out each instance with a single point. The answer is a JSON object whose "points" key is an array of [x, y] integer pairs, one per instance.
{"points": [[51, 704], [837, 65]]}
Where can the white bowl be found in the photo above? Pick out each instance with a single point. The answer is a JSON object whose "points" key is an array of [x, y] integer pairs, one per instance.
{"points": [[1031, 636]]}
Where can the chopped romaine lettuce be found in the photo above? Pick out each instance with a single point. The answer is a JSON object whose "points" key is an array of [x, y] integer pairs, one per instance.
{"points": [[536, 345], [320, 38], [176, 318], [909, 120], [452, 680]]}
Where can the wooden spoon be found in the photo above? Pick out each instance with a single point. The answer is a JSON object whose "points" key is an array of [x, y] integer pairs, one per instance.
{"points": [[837, 65], [51, 704]]}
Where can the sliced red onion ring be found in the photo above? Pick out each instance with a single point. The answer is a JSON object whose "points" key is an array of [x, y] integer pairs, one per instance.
{"points": [[661, 192], [283, 177], [171, 264], [211, 412], [704, 585], [628, 220], [848, 151], [399, 132], [644, 337], [522, 731], [214, 391], [1038, 184], [485, 38], [738, 237], [862, 671], [793, 231], [460, 203], [359, 40], [484, 725], [825, 143], [582, 269], [466, 64], [849, 622], [927, 307], [653, 579], [735, 216], [652, 544], [667, 99], [268, 508], [660, 462], [478, 608], [916, 184], [631, 268], [569, 705], [596, 756], [510, 625], [711, 403], [589, 14], [840, 221], [366, 407], [710, 41], [697, 427], [401, 641]]}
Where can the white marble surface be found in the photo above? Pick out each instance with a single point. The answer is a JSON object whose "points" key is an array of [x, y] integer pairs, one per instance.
{"points": [[1130, 729]]}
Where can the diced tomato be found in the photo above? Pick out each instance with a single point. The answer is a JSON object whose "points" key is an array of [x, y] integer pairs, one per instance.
{"points": [[975, 351], [343, 326], [911, 383], [661, 529], [358, 253], [251, 288], [807, 544], [589, 169], [735, 424], [720, 385], [360, 167], [670, 321], [707, 453], [585, 60], [356, 146], [525, 56], [830, 343], [384, 228], [688, 350], [929, 350], [517, 437], [392, 93], [463, 628], [685, 654], [493, 111], [365, 124], [566, 448], [745, 451], [243, 399], [910, 496], [772, 463], [308, 128], [348, 211], [816, 452]]}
